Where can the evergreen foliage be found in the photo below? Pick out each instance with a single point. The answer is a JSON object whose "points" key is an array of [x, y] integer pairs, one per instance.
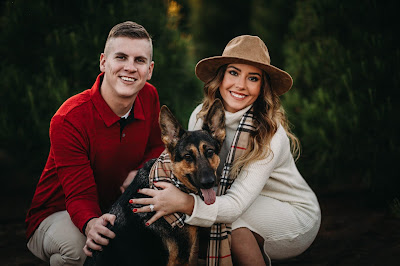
{"points": [[342, 55], [50, 51], [270, 21], [214, 23], [344, 59]]}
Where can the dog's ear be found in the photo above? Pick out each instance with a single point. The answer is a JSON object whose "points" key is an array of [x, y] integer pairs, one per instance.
{"points": [[171, 130], [215, 121]]}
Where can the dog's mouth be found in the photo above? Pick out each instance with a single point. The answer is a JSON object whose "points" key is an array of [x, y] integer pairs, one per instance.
{"points": [[208, 195]]}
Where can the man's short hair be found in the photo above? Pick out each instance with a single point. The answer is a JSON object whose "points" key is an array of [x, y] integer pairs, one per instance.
{"points": [[129, 29]]}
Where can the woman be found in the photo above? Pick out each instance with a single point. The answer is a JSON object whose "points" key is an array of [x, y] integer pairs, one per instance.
{"points": [[264, 205]]}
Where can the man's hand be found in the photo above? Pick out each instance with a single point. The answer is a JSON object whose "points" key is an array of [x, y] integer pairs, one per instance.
{"points": [[128, 180], [97, 234]]}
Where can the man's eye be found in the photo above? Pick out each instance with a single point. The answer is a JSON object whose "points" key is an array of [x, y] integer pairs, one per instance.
{"points": [[188, 157], [120, 57], [210, 153]]}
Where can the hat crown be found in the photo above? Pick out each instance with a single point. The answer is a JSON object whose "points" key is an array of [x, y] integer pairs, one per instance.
{"points": [[248, 47]]}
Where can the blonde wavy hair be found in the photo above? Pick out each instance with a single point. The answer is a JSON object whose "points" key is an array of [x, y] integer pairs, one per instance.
{"points": [[268, 114]]}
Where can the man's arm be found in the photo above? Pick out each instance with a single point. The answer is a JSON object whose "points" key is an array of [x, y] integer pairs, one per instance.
{"points": [[71, 155]]}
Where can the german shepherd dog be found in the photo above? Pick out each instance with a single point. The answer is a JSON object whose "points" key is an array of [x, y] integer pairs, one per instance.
{"points": [[194, 159]]}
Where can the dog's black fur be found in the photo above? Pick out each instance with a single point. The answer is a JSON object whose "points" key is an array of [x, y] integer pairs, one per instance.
{"points": [[194, 156]]}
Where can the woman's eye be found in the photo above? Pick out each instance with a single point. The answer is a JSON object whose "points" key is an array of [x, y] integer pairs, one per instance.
{"points": [[188, 157], [254, 79], [233, 72], [210, 153]]}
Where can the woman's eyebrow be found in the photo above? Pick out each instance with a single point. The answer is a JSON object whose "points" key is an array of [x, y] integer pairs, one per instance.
{"points": [[235, 68], [251, 73]]}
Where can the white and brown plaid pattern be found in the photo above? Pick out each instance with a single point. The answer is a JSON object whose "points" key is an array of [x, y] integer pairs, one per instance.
{"points": [[219, 246], [161, 171]]}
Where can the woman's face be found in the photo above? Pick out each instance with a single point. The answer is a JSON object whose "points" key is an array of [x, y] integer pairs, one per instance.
{"points": [[240, 86]]}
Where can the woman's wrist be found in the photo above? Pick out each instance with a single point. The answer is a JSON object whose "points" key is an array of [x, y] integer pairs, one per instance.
{"points": [[188, 204]]}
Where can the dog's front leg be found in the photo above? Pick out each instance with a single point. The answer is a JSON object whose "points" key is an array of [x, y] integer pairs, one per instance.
{"points": [[194, 252]]}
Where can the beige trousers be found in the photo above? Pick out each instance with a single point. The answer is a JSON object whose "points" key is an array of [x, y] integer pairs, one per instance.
{"points": [[58, 241]]}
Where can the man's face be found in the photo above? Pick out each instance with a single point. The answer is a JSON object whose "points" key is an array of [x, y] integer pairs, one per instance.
{"points": [[127, 65]]}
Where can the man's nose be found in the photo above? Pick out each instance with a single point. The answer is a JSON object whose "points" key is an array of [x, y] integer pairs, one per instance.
{"points": [[130, 66]]}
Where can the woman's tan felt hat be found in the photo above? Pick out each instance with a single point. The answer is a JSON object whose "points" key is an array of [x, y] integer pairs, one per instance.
{"points": [[245, 49]]}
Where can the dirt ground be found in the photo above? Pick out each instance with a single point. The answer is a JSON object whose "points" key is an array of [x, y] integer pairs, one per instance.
{"points": [[352, 233]]}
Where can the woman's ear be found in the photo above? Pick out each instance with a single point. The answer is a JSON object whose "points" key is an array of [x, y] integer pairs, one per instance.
{"points": [[214, 122]]}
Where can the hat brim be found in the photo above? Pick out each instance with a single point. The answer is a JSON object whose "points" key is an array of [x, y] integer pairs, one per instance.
{"points": [[206, 69]]}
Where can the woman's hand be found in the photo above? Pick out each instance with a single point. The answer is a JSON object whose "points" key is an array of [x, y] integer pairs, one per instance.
{"points": [[96, 231], [166, 201]]}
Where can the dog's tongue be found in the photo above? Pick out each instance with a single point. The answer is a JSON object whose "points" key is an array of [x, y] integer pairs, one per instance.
{"points": [[208, 195]]}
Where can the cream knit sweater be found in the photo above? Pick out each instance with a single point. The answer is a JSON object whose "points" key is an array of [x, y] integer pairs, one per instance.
{"points": [[270, 197]]}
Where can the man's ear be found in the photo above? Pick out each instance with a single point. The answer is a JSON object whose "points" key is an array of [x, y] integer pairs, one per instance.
{"points": [[151, 67], [214, 122], [171, 130], [102, 62]]}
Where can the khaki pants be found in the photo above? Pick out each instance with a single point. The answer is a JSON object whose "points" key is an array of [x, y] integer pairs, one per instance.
{"points": [[58, 241]]}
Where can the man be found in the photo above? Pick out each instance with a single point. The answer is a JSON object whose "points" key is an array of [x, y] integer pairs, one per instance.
{"points": [[99, 138]]}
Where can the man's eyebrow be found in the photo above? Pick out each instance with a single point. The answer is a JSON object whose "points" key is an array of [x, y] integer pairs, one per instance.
{"points": [[251, 73], [137, 57], [120, 53]]}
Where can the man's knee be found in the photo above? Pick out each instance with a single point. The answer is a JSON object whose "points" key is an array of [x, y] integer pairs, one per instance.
{"points": [[62, 243], [70, 251], [71, 254]]}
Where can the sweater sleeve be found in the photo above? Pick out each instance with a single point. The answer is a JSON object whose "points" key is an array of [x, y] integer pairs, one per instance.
{"points": [[70, 151], [244, 190], [194, 123]]}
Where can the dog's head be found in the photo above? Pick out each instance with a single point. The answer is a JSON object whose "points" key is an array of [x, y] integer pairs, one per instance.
{"points": [[194, 154]]}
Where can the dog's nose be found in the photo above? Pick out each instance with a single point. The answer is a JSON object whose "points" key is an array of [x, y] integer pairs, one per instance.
{"points": [[208, 182], [206, 176]]}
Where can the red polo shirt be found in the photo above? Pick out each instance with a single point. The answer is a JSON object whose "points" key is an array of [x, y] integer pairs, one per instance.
{"points": [[90, 156]]}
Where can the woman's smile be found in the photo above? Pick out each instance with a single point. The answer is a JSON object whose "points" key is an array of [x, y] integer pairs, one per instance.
{"points": [[240, 86]]}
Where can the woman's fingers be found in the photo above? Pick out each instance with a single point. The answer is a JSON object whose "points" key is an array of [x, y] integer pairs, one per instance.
{"points": [[162, 185], [155, 217], [152, 192], [141, 201], [145, 208]]}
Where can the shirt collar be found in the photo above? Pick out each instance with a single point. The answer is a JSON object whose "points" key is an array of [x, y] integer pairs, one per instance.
{"points": [[138, 111], [108, 116]]}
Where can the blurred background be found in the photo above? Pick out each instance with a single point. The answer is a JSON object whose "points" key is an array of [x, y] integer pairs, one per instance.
{"points": [[344, 58]]}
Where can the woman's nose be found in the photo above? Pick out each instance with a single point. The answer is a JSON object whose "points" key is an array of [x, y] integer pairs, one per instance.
{"points": [[241, 83]]}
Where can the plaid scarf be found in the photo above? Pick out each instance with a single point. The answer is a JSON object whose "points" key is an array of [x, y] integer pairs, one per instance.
{"points": [[219, 246], [161, 171]]}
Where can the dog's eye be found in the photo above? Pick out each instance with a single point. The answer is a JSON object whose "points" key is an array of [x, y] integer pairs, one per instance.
{"points": [[210, 153], [188, 157]]}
